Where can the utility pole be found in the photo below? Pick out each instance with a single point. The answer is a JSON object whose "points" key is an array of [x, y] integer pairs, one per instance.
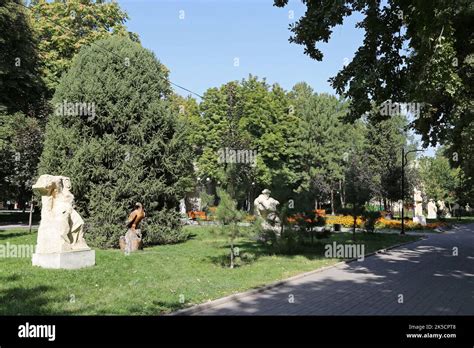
{"points": [[403, 192], [31, 213]]}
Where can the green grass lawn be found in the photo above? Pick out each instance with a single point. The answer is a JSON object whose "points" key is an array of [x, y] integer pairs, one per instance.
{"points": [[155, 280]]}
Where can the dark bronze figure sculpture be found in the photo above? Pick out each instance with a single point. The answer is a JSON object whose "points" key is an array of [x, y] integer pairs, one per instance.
{"points": [[132, 241]]}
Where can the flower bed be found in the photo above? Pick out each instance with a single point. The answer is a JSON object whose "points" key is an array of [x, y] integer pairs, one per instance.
{"points": [[345, 221], [197, 215], [348, 221], [294, 219], [409, 224]]}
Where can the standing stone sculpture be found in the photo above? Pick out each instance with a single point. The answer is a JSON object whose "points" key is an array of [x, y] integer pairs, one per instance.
{"points": [[432, 209], [266, 208], [443, 210], [418, 218], [132, 241], [182, 207], [60, 242]]}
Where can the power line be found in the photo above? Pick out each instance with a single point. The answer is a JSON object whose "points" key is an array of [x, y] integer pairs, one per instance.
{"points": [[116, 54]]}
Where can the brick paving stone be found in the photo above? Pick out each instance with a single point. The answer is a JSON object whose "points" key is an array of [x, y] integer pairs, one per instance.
{"points": [[431, 280]]}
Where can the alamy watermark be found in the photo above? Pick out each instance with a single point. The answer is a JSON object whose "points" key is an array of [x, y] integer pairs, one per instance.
{"points": [[390, 108], [345, 251], [16, 250], [37, 331], [81, 109], [227, 155]]}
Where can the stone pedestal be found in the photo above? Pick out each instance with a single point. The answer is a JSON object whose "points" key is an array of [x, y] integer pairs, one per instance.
{"points": [[132, 241], [65, 260], [419, 220]]}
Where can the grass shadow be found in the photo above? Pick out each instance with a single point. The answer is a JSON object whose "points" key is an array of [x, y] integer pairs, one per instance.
{"points": [[25, 301], [7, 234]]}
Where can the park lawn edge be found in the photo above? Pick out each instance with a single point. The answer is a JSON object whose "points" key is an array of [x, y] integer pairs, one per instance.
{"points": [[196, 308], [266, 283]]}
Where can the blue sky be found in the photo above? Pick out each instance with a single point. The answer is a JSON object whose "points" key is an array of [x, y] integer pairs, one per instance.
{"points": [[200, 49], [201, 40]]}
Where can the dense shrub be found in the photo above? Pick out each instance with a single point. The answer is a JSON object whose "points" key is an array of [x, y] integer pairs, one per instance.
{"points": [[370, 218], [288, 243]]}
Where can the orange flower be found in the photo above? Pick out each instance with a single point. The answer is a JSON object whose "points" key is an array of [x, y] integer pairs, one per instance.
{"points": [[200, 215]]}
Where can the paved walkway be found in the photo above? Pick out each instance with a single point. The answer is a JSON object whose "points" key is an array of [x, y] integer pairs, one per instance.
{"points": [[431, 280], [10, 227]]}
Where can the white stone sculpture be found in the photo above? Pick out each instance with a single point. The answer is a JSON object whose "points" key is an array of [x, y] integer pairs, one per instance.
{"points": [[441, 205], [182, 207], [443, 210], [60, 242], [432, 209], [419, 218], [266, 208]]}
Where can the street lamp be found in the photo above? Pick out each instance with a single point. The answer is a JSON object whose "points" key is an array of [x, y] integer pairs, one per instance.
{"points": [[404, 163]]}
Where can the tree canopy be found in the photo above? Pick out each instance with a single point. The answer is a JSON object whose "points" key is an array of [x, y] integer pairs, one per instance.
{"points": [[21, 86], [63, 27], [440, 181], [413, 52]]}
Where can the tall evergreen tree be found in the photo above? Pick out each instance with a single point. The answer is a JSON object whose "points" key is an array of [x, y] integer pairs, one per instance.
{"points": [[125, 148], [21, 86], [20, 139], [22, 102], [384, 143]]}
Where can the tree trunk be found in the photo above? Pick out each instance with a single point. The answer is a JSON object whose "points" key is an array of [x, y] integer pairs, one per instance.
{"points": [[354, 227], [343, 197], [340, 193], [30, 220], [232, 254], [332, 202]]}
